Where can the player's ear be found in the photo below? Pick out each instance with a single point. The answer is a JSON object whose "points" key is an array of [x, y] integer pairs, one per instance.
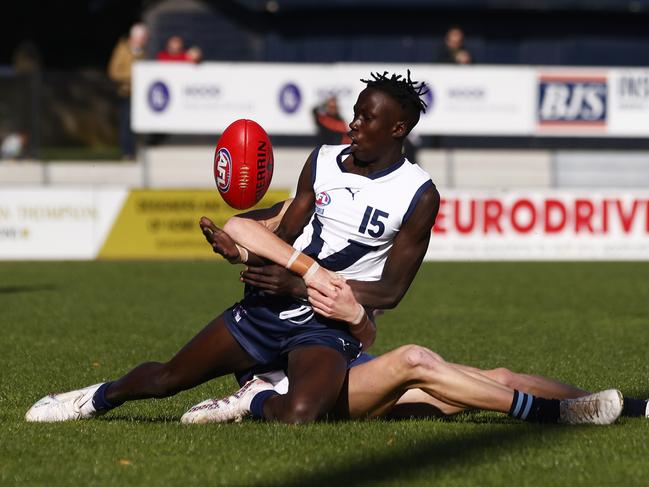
{"points": [[400, 129]]}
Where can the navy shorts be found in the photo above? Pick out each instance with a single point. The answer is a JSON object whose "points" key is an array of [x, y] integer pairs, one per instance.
{"points": [[269, 327]]}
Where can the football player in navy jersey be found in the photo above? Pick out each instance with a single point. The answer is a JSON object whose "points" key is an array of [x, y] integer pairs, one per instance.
{"points": [[410, 380]]}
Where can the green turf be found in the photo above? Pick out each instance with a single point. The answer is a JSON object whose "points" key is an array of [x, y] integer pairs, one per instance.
{"points": [[66, 325]]}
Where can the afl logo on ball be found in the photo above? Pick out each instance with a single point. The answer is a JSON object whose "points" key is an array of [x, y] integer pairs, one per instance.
{"points": [[223, 169]]}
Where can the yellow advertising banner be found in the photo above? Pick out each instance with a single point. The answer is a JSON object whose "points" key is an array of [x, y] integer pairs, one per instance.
{"points": [[161, 224]]}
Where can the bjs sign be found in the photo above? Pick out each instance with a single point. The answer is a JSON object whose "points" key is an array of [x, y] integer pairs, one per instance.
{"points": [[541, 225], [568, 102]]}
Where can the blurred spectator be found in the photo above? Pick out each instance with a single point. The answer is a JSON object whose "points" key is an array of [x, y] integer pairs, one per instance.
{"points": [[332, 129], [23, 137], [195, 54], [174, 50], [126, 52], [454, 51]]}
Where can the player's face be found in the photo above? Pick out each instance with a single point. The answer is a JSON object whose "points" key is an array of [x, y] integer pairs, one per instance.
{"points": [[376, 115]]}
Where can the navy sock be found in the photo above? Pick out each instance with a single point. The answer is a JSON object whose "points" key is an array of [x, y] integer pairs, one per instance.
{"points": [[257, 403], [633, 407], [534, 409], [99, 401]]}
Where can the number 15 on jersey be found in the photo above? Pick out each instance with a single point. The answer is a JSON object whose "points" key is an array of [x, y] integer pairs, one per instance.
{"points": [[372, 219]]}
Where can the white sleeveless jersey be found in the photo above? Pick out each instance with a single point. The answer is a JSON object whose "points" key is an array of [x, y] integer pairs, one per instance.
{"points": [[356, 217]]}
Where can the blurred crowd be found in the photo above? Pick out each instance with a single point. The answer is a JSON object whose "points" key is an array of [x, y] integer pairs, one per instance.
{"points": [[127, 51], [331, 126]]}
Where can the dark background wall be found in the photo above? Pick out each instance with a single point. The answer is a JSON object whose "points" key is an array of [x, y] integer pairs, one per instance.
{"points": [[75, 33]]}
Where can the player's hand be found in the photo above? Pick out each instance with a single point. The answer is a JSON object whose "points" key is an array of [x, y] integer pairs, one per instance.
{"points": [[275, 279], [220, 241], [339, 304], [324, 280]]}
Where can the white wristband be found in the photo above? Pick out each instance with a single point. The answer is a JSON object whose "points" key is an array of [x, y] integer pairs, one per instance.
{"points": [[359, 315], [296, 254], [312, 270], [243, 253]]}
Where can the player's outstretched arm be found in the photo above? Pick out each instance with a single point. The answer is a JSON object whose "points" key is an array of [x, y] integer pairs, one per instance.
{"points": [[224, 245], [405, 257], [269, 217], [264, 243], [276, 246]]}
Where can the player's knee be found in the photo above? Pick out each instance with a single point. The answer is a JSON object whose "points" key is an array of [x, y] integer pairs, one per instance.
{"points": [[299, 411], [505, 377], [416, 358]]}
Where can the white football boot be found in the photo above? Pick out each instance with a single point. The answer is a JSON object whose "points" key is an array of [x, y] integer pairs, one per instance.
{"points": [[65, 406], [228, 409], [600, 408]]}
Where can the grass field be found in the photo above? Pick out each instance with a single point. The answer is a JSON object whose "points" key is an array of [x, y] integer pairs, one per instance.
{"points": [[66, 325]]}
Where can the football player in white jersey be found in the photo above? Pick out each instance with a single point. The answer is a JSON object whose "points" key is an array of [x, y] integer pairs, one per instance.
{"points": [[263, 328]]}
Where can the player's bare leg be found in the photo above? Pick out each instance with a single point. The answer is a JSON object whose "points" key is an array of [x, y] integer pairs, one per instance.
{"points": [[213, 352], [316, 376], [532, 384], [415, 402], [377, 386]]}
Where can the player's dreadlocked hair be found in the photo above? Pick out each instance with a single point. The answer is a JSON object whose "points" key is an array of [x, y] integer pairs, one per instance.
{"points": [[404, 90]]}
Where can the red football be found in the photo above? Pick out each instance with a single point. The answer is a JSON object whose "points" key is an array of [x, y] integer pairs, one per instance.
{"points": [[243, 164]]}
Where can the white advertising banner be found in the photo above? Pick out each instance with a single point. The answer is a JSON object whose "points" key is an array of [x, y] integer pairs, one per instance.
{"points": [[463, 100], [69, 223], [470, 100], [629, 102], [542, 225], [204, 99]]}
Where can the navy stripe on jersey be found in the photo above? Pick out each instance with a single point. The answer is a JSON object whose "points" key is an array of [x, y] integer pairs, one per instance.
{"points": [[340, 260], [384, 172], [346, 257], [388, 169], [339, 158], [315, 246], [415, 198], [314, 163]]}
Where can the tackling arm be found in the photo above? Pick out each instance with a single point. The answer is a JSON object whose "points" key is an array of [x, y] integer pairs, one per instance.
{"points": [[258, 239]]}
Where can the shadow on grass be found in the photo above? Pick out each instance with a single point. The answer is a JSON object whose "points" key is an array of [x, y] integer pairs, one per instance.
{"points": [[435, 455], [26, 289]]}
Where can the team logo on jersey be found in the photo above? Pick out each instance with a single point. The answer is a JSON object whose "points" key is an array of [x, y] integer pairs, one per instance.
{"points": [[321, 200], [223, 169]]}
